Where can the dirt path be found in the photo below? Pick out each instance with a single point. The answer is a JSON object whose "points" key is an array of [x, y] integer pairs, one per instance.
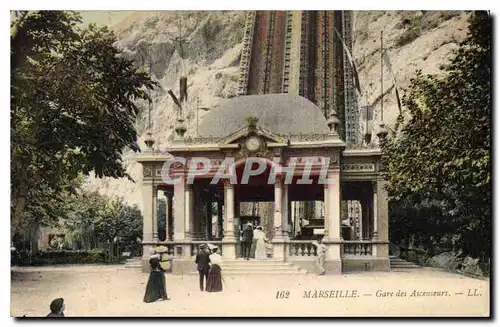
{"points": [[115, 291]]}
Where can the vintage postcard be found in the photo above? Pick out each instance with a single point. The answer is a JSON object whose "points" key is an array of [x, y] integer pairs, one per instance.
{"points": [[250, 163]]}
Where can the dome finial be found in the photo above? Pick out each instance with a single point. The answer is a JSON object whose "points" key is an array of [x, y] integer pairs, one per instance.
{"points": [[333, 122], [149, 140]]}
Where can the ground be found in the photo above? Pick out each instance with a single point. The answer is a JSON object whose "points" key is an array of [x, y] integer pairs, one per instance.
{"points": [[117, 291]]}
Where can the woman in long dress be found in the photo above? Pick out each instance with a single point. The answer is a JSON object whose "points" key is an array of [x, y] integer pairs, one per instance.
{"points": [[156, 288], [260, 244], [254, 244], [214, 281]]}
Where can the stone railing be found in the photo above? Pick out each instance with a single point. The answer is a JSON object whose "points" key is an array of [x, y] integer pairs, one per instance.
{"points": [[195, 246], [301, 249], [361, 248], [183, 248]]}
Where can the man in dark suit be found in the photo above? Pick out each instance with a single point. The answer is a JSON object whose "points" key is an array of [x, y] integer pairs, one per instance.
{"points": [[203, 262], [246, 241]]}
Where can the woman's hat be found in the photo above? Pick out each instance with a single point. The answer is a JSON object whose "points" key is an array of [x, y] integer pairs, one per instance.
{"points": [[160, 249], [56, 305]]}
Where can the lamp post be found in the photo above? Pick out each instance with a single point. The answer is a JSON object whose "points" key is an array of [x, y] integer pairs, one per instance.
{"points": [[198, 108]]}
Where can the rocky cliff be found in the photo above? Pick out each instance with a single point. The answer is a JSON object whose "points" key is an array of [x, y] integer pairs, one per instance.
{"points": [[211, 53]]}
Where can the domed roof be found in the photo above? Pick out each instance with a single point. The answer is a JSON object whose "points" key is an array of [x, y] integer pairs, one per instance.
{"points": [[278, 113]]}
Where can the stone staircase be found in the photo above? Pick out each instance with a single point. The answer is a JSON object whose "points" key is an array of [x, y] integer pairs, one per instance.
{"points": [[133, 263], [243, 267], [400, 264], [258, 267]]}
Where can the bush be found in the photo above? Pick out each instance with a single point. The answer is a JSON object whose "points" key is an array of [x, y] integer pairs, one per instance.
{"points": [[407, 36], [69, 257]]}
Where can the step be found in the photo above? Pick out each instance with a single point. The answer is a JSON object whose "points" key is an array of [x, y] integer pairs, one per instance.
{"points": [[269, 267], [397, 263], [403, 263], [255, 263], [133, 266], [258, 272], [260, 268]]}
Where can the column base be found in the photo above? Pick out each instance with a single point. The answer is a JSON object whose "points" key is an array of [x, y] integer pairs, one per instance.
{"points": [[229, 248], [146, 254], [279, 250], [145, 267]]}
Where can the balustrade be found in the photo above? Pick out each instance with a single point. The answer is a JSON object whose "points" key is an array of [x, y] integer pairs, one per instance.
{"points": [[295, 249], [363, 248], [301, 249]]}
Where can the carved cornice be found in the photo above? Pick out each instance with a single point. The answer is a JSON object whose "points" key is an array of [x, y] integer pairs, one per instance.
{"points": [[306, 137], [202, 140], [358, 146], [365, 167]]}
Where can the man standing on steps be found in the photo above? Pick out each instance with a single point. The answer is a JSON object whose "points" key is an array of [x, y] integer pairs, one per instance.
{"points": [[203, 262], [321, 253], [246, 241]]}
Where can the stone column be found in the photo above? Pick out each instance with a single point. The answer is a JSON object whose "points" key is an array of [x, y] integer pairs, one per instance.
{"points": [[285, 213], [382, 219], [180, 211], [325, 212], [374, 213], [333, 223], [147, 223], [289, 218], [155, 214], [279, 223], [229, 240], [278, 209], [188, 216]]}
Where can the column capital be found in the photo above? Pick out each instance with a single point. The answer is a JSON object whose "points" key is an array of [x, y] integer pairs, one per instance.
{"points": [[279, 181], [227, 184]]}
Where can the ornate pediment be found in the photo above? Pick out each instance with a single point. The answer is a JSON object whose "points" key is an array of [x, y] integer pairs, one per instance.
{"points": [[249, 131]]}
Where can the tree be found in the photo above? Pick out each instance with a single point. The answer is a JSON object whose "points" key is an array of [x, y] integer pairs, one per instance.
{"points": [[72, 107], [442, 153], [94, 218], [162, 218]]}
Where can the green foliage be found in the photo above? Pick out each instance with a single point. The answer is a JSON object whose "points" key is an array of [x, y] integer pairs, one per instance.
{"points": [[443, 152], [70, 257], [93, 219], [162, 217], [72, 108], [417, 23]]}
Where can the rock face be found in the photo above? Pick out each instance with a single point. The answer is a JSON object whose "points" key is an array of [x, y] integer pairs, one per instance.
{"points": [[454, 262], [211, 53]]}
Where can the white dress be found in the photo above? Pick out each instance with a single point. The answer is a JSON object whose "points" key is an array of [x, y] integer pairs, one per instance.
{"points": [[260, 246]]}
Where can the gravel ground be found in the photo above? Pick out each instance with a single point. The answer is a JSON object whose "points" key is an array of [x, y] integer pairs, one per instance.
{"points": [[116, 291]]}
